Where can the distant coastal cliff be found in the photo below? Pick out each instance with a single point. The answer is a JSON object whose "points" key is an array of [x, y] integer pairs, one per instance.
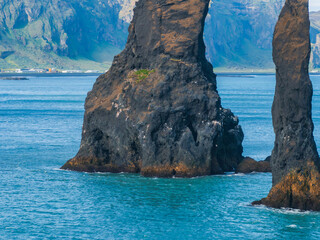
{"points": [[157, 111], [78, 34]]}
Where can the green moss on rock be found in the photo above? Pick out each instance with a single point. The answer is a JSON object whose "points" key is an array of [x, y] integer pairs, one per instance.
{"points": [[142, 74]]}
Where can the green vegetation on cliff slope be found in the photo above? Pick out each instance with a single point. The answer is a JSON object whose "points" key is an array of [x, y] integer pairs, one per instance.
{"points": [[238, 33], [86, 34], [59, 33]]}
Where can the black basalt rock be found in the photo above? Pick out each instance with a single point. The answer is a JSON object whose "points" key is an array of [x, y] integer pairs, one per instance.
{"points": [[291, 110], [157, 110], [294, 160], [249, 165]]}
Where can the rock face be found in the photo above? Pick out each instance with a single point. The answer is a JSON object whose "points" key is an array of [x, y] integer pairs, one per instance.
{"points": [[157, 110], [300, 189], [291, 111], [87, 34], [249, 165], [315, 39], [239, 33], [294, 158], [60, 34]]}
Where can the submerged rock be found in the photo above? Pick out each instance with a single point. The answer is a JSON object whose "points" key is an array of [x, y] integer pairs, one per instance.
{"points": [[249, 165], [294, 159], [157, 110]]}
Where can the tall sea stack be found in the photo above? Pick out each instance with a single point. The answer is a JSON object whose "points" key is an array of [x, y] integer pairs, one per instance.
{"points": [[157, 111], [294, 160]]}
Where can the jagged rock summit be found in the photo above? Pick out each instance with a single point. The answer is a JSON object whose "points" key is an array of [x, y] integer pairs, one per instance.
{"points": [[157, 111], [294, 160]]}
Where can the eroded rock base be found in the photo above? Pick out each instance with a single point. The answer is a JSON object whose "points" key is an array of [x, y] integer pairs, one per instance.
{"points": [[300, 189]]}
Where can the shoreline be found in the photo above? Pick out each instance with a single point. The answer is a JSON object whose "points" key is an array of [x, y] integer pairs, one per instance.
{"points": [[48, 74], [219, 74]]}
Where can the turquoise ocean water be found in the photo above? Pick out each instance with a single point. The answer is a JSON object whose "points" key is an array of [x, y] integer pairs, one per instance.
{"points": [[40, 127]]}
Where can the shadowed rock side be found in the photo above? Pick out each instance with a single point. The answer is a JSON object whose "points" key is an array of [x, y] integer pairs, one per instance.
{"points": [[294, 158], [157, 111]]}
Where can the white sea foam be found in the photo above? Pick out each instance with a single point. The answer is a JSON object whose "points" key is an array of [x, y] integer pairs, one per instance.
{"points": [[233, 175], [292, 226], [244, 204], [58, 169], [287, 211], [290, 211]]}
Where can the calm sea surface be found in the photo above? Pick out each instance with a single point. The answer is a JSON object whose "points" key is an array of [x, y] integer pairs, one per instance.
{"points": [[40, 127]]}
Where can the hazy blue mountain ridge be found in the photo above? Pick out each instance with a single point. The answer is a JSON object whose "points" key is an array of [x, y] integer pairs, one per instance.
{"points": [[315, 39], [239, 33], [50, 32], [86, 34]]}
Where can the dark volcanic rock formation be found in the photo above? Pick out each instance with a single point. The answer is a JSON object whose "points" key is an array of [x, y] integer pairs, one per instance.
{"points": [[157, 110], [295, 158], [249, 165], [291, 111]]}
